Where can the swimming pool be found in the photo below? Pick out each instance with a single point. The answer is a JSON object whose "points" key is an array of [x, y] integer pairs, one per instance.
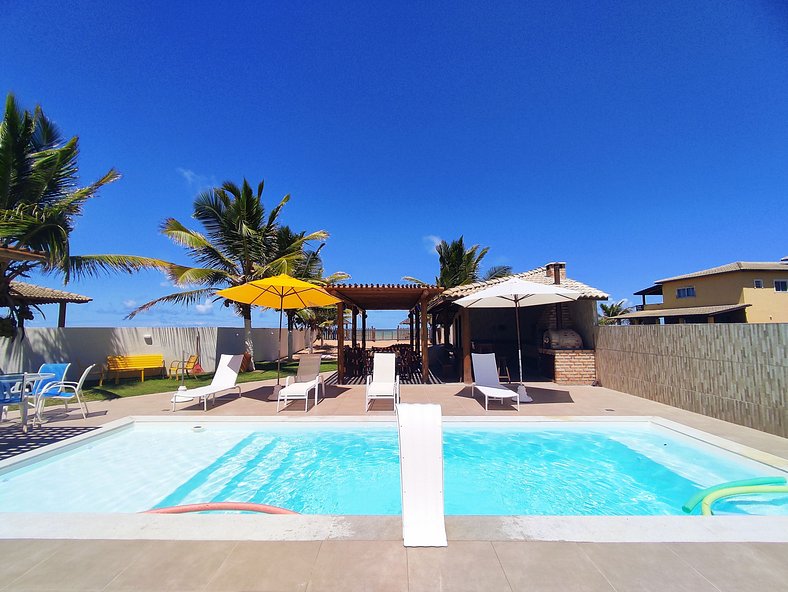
{"points": [[511, 468]]}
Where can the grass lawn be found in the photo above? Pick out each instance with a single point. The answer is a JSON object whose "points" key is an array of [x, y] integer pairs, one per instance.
{"points": [[132, 388]]}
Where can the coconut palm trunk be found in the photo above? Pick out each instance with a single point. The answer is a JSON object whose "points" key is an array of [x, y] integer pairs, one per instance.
{"points": [[246, 311]]}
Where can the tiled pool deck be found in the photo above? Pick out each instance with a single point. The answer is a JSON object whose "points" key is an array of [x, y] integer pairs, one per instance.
{"points": [[474, 560]]}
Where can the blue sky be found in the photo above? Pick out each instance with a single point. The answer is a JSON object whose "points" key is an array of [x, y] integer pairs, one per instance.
{"points": [[632, 140]]}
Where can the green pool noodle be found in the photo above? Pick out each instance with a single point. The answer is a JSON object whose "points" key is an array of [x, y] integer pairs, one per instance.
{"points": [[705, 507], [693, 502]]}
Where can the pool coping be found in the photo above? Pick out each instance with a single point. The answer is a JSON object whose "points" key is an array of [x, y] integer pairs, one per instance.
{"points": [[601, 529]]}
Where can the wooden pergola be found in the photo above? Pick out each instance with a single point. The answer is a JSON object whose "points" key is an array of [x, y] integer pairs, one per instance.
{"points": [[360, 298]]}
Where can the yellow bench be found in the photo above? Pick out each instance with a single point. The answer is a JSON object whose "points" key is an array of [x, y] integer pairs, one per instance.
{"points": [[123, 364]]}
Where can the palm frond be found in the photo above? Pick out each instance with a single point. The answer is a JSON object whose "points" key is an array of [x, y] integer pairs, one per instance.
{"points": [[184, 276], [497, 272], [185, 298], [83, 266]]}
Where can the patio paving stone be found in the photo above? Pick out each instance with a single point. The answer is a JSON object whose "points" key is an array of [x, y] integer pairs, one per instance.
{"points": [[349, 566], [738, 566], [20, 557], [464, 566], [645, 567], [173, 565], [549, 567], [260, 566], [88, 565]]}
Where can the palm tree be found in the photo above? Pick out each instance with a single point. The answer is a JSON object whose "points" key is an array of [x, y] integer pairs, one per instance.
{"points": [[241, 243], [460, 266], [610, 311], [40, 199], [308, 268], [315, 320]]}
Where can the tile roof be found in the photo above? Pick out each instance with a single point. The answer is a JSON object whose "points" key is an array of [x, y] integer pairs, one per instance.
{"points": [[735, 266], [538, 275], [682, 312], [42, 295]]}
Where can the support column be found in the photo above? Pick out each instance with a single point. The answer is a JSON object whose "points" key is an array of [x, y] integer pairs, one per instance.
{"points": [[61, 317], [419, 315], [425, 361], [465, 327], [340, 343], [364, 330], [354, 322], [447, 320], [410, 326]]}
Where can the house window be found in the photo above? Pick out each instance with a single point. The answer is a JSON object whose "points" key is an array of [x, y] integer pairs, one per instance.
{"points": [[757, 283], [781, 285], [688, 292]]}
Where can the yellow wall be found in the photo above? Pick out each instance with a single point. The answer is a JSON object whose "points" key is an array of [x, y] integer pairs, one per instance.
{"points": [[768, 306], [735, 287]]}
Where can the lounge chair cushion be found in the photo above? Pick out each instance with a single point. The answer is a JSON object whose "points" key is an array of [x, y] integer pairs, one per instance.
{"points": [[494, 392], [195, 393], [381, 389], [298, 389]]}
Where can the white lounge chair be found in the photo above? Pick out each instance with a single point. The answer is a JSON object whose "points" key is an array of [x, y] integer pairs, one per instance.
{"points": [[64, 390], [485, 379], [384, 382], [306, 379], [223, 380]]}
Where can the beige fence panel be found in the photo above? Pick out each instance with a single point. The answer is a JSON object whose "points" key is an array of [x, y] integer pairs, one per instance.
{"points": [[83, 346], [734, 372]]}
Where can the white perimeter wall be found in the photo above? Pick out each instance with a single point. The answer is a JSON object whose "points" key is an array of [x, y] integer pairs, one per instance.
{"points": [[83, 346]]}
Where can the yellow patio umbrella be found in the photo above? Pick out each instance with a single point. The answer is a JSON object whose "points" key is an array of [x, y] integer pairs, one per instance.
{"points": [[280, 292]]}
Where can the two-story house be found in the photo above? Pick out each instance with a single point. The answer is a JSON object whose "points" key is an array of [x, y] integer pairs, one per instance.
{"points": [[740, 292]]}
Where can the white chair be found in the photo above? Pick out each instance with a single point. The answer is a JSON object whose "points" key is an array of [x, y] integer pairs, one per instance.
{"points": [[384, 382], [307, 378], [223, 380], [64, 391], [485, 379]]}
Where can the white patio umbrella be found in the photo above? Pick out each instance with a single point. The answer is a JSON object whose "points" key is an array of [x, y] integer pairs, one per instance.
{"points": [[514, 293]]}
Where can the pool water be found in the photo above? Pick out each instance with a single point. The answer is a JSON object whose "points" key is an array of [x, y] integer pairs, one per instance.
{"points": [[582, 468]]}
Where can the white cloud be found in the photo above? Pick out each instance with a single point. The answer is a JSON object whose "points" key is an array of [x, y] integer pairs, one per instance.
{"points": [[431, 242], [204, 308], [195, 180], [130, 303]]}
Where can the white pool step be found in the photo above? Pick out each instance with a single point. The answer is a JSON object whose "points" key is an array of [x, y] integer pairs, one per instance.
{"points": [[421, 471]]}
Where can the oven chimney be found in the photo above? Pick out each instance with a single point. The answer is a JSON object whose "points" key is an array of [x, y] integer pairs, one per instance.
{"points": [[556, 270]]}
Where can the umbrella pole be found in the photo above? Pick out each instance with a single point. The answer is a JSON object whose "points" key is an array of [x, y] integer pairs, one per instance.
{"points": [[279, 346], [519, 347]]}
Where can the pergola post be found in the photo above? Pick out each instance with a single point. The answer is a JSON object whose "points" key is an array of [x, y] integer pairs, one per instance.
{"points": [[465, 324], [354, 322], [418, 330], [61, 317], [340, 343], [364, 330], [425, 361], [447, 320], [410, 326]]}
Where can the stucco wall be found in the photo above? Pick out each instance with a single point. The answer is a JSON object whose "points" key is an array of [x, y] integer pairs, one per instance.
{"points": [[768, 306], [83, 346], [734, 372], [723, 288]]}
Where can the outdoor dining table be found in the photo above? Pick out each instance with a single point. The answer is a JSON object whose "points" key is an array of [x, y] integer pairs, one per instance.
{"points": [[26, 382]]}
